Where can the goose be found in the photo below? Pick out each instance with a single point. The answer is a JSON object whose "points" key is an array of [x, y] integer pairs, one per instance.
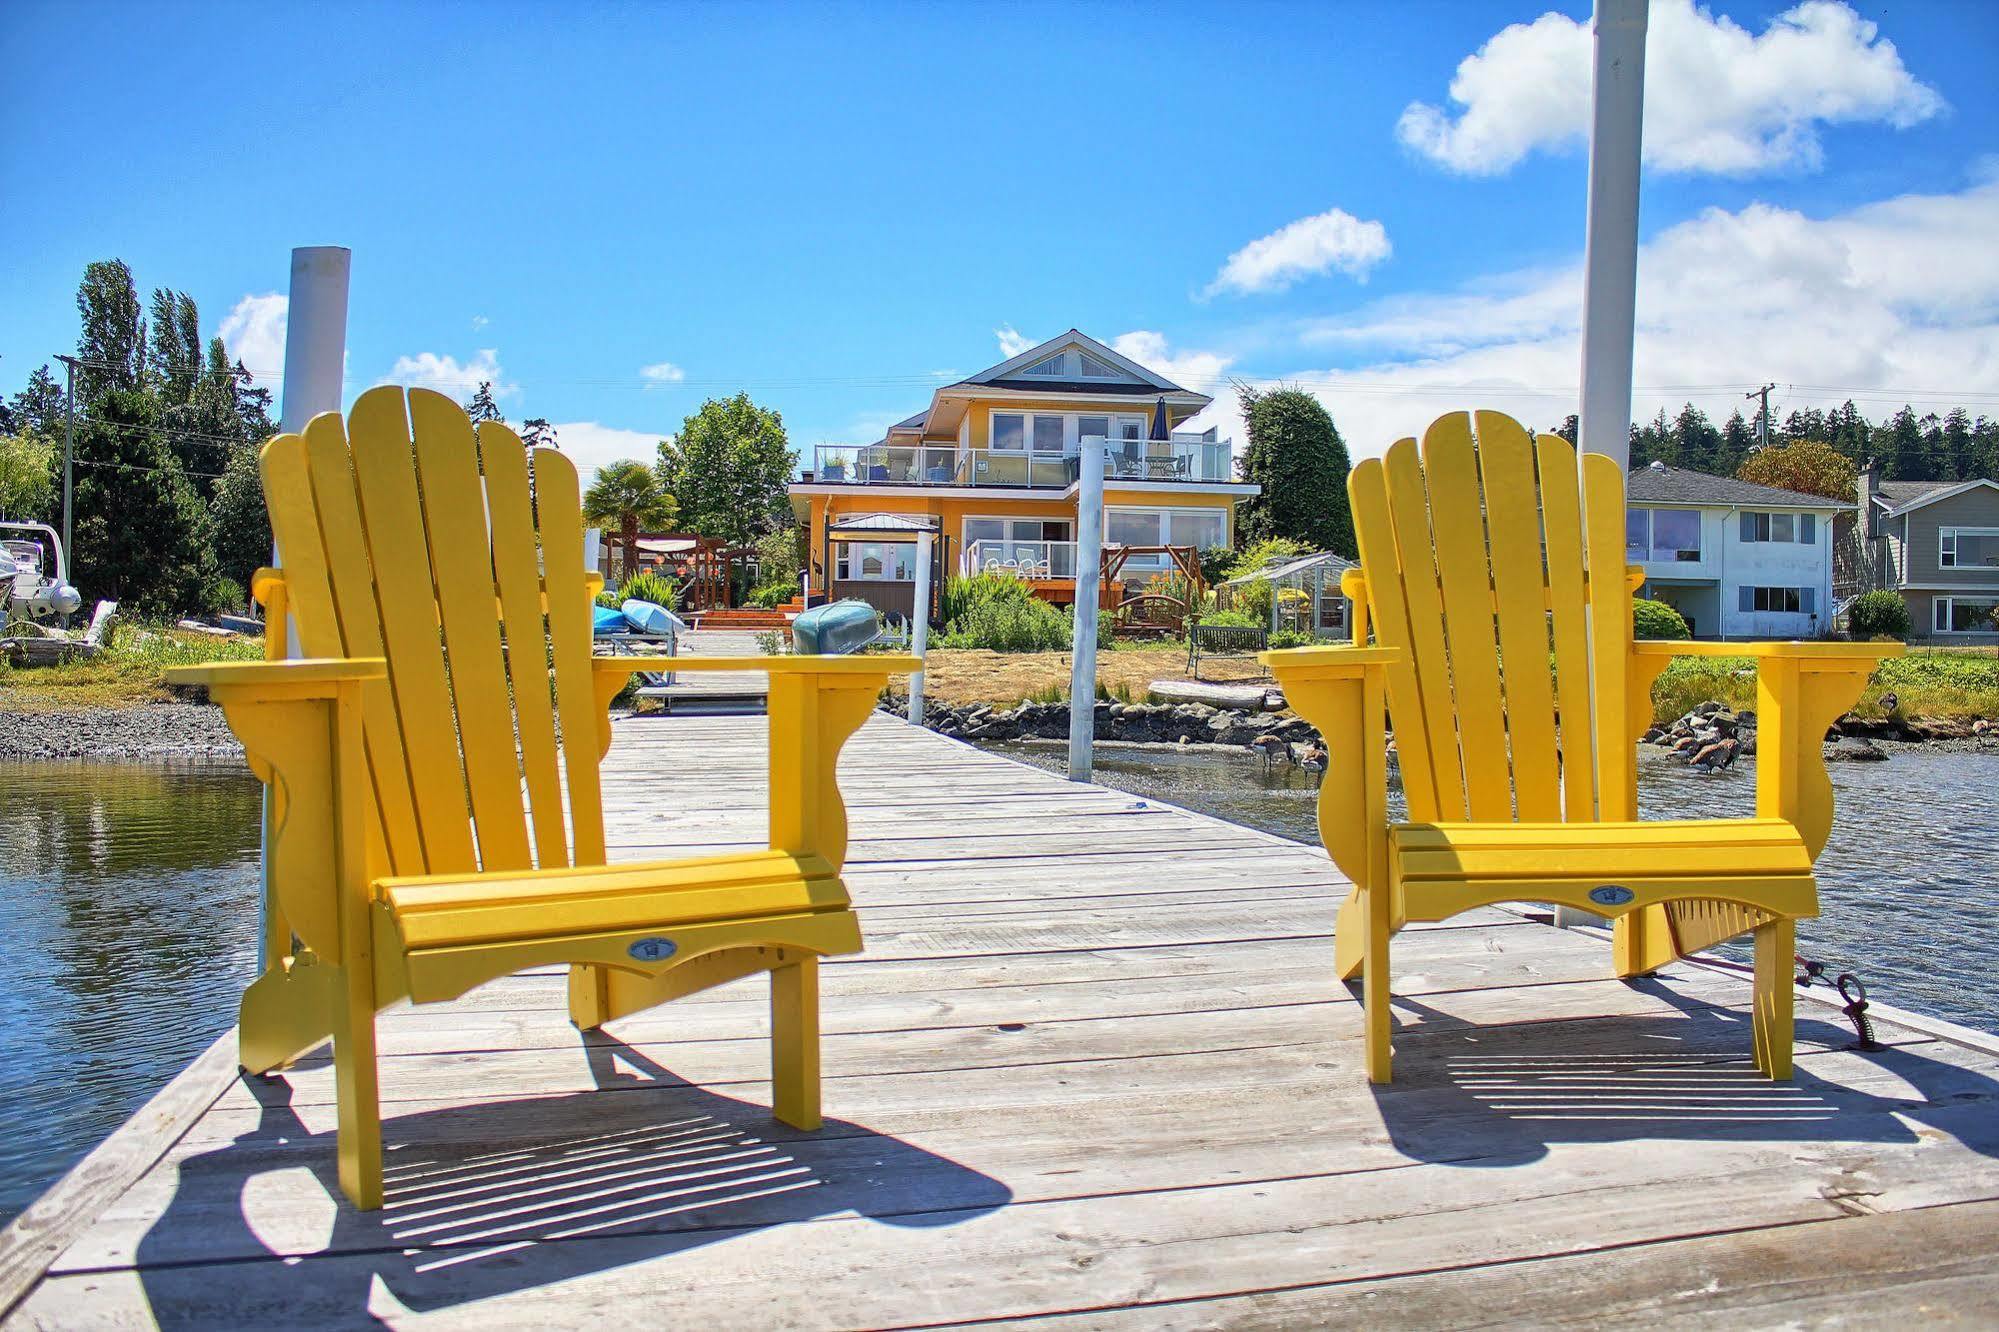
{"points": [[1272, 748]]}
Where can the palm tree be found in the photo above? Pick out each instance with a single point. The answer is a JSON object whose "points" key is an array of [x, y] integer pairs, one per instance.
{"points": [[627, 495]]}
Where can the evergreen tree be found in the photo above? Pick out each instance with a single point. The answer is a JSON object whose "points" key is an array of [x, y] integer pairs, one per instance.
{"points": [[141, 532], [1738, 440], [482, 407], [1898, 445], [38, 407], [537, 433], [1296, 454], [729, 470], [1570, 428], [1699, 443], [112, 345], [1849, 432]]}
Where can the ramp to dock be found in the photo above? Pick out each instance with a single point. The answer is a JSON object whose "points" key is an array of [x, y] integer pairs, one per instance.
{"points": [[1093, 1066]]}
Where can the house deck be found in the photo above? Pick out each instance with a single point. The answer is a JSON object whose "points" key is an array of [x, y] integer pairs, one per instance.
{"points": [[1094, 1064]]}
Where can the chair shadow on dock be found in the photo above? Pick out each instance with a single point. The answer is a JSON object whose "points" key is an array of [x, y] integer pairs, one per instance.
{"points": [[1504, 1095], [491, 1199]]}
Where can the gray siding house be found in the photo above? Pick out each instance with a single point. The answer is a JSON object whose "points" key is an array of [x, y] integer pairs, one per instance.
{"points": [[1937, 544]]}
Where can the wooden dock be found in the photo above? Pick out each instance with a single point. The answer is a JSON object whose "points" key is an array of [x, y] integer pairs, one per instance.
{"points": [[1093, 1066]]}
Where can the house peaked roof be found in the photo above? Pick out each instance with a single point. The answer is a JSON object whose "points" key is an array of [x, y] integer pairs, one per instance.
{"points": [[1900, 496], [1657, 483], [1010, 373]]}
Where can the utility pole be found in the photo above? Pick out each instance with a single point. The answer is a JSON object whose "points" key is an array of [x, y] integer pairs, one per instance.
{"points": [[1762, 415], [68, 447]]}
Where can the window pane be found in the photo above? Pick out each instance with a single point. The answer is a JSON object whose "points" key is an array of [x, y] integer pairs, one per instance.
{"points": [[1048, 434], [1780, 527], [1808, 529], [1199, 530], [1969, 615], [1977, 550], [1132, 527], [1009, 431], [1086, 426], [1637, 534], [984, 529], [1676, 535], [1131, 427]]}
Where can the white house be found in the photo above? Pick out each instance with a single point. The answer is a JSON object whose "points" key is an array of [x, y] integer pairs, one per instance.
{"points": [[1736, 559]]}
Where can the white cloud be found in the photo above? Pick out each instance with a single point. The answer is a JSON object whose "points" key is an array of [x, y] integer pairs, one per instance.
{"points": [[479, 322], [1011, 343], [592, 446], [1201, 371], [1309, 247], [1892, 302], [450, 376], [1717, 97], [254, 333], [665, 372]]}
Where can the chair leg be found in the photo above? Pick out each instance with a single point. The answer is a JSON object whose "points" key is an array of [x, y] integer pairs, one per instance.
{"points": [[794, 1043], [1374, 991], [1776, 944], [1350, 936], [589, 997], [358, 1093]]}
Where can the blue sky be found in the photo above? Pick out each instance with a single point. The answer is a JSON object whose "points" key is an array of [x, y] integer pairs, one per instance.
{"points": [[835, 206]]}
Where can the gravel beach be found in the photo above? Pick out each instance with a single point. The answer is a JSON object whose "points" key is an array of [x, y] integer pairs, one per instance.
{"points": [[154, 731]]}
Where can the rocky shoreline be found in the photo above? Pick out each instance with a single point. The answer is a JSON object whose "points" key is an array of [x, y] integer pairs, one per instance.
{"points": [[144, 731], [1710, 733]]}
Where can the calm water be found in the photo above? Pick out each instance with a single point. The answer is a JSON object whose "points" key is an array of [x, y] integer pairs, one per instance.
{"points": [[128, 903], [1908, 885], [128, 907]]}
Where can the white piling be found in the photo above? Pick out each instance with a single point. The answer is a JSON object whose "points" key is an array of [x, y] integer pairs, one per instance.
{"points": [[1610, 255], [1089, 570], [919, 626], [315, 366]]}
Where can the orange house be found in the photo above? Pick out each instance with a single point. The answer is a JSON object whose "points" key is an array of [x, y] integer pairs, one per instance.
{"points": [[990, 468]]}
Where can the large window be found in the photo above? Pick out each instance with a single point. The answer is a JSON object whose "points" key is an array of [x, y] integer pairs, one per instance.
{"points": [[1199, 528], [1669, 535], [875, 561], [1802, 528], [1780, 600], [1966, 615], [1059, 432], [1968, 547], [1047, 543]]}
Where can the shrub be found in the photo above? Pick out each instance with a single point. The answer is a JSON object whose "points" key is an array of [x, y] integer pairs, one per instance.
{"points": [[1236, 618], [1655, 619], [648, 586], [772, 594], [1875, 614], [1216, 561], [229, 596], [1291, 638]]}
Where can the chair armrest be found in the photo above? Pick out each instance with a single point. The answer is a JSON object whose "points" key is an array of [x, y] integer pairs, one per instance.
{"points": [[815, 704], [1342, 691], [293, 678], [1801, 689]]}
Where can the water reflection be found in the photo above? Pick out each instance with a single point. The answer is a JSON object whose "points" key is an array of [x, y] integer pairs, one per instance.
{"points": [[128, 903], [1908, 884]]}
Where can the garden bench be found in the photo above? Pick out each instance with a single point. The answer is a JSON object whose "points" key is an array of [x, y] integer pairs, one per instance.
{"points": [[1223, 640], [426, 832], [1519, 765]]}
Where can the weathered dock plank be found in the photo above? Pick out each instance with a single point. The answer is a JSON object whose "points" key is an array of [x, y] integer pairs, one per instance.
{"points": [[1093, 1066]]}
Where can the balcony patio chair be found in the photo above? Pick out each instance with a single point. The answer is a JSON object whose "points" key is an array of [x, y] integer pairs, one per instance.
{"points": [[427, 832], [1521, 771]]}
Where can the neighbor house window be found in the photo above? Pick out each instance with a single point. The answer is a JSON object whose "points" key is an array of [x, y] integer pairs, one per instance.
{"points": [[1780, 600], [1801, 528], [1009, 430], [1670, 535], [1199, 528], [875, 561], [1968, 547], [1966, 615]]}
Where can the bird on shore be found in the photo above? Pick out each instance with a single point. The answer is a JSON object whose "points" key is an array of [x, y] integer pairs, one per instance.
{"points": [[1272, 748], [1889, 703], [1312, 759], [1716, 756]]}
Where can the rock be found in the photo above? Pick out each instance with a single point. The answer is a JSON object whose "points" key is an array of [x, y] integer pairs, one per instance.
{"points": [[1855, 751]]}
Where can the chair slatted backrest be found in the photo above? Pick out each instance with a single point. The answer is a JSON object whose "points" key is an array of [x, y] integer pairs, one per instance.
{"points": [[1509, 700], [459, 559]]}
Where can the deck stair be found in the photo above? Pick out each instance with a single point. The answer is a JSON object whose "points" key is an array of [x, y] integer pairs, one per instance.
{"points": [[746, 617]]}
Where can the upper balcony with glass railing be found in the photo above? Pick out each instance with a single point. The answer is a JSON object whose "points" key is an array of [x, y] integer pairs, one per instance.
{"points": [[1189, 458]]}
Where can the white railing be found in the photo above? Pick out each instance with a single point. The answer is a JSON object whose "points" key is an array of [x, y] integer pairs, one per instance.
{"points": [[1023, 559], [1183, 458]]}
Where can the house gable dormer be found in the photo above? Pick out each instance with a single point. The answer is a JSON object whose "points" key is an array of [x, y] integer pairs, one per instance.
{"points": [[1074, 357]]}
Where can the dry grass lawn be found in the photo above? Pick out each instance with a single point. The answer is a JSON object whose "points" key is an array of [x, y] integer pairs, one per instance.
{"points": [[959, 676]]}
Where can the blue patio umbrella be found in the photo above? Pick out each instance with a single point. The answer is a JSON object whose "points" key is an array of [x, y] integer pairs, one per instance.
{"points": [[1160, 430]]}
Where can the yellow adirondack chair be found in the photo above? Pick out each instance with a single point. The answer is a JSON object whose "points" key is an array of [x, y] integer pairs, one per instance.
{"points": [[1518, 763], [426, 830]]}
